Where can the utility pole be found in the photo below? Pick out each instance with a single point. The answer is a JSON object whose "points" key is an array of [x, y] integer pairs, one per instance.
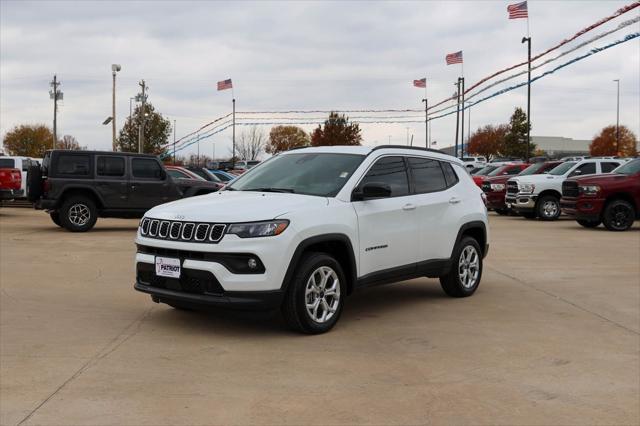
{"points": [[56, 95], [198, 158], [143, 99], [528, 40], [469, 130], [130, 108], [426, 123], [618, 120], [174, 142], [462, 119], [114, 69], [457, 116], [233, 157]]}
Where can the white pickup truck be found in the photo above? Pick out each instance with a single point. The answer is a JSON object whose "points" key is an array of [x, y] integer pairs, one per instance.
{"points": [[539, 195]]}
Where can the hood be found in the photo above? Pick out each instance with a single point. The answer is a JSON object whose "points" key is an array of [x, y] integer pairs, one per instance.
{"points": [[498, 179], [235, 206], [607, 177]]}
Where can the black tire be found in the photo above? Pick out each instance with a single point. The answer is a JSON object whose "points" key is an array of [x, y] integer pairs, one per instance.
{"points": [[78, 213], [548, 208], [589, 223], [618, 215], [452, 283], [55, 218], [502, 212], [294, 307], [34, 183], [529, 215]]}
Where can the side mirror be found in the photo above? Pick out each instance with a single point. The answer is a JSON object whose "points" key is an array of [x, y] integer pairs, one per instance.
{"points": [[372, 190]]}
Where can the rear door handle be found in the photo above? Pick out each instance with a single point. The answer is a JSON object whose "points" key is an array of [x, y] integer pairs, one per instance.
{"points": [[454, 200], [407, 207]]}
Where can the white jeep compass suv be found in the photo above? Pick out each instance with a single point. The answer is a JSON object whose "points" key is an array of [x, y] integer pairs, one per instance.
{"points": [[308, 227]]}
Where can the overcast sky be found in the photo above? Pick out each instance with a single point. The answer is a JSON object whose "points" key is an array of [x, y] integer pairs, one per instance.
{"points": [[305, 55]]}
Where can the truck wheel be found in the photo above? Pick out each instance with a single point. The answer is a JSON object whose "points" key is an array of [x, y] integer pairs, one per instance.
{"points": [[529, 215], [589, 223], [502, 212], [464, 276], [55, 217], [548, 208], [618, 215], [315, 296], [78, 213]]}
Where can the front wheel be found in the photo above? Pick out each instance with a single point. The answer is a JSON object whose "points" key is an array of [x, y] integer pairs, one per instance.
{"points": [[618, 215], [548, 208], [315, 296], [464, 276], [589, 223], [78, 213]]}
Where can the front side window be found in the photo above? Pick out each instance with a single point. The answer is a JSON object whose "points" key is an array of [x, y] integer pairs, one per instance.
{"points": [[110, 166], [389, 171], [73, 165], [585, 169], [427, 175], [321, 174], [146, 168]]}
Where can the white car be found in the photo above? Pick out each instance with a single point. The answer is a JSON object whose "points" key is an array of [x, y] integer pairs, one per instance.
{"points": [[474, 162], [22, 164], [310, 226], [539, 195]]}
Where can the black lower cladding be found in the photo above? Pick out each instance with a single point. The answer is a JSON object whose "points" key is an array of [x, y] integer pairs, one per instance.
{"points": [[191, 280]]}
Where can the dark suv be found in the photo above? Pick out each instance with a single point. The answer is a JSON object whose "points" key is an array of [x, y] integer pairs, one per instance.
{"points": [[77, 187]]}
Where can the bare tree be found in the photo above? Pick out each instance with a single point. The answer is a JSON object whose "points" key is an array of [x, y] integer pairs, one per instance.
{"points": [[69, 142], [250, 144]]}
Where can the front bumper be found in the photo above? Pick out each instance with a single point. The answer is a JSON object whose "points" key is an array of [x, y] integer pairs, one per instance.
{"points": [[582, 208], [496, 200], [521, 202]]}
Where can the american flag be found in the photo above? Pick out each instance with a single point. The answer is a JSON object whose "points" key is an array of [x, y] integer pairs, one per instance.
{"points": [[225, 84], [420, 83], [518, 10], [454, 58]]}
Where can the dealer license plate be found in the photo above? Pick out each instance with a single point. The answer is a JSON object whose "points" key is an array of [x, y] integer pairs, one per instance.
{"points": [[167, 267]]}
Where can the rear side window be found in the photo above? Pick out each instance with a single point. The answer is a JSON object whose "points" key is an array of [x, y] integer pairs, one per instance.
{"points": [[449, 174], [110, 166], [72, 165], [608, 167], [389, 171], [427, 175], [7, 163], [146, 168]]}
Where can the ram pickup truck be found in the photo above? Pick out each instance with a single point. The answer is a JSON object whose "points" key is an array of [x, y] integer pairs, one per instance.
{"points": [[10, 184], [612, 199], [539, 195], [505, 170]]}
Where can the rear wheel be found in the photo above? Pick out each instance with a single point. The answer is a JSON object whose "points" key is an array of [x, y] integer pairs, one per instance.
{"points": [[548, 207], [55, 217], [464, 276], [589, 223], [618, 215], [78, 213]]}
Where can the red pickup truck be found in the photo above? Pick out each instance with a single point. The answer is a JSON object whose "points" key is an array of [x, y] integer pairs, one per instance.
{"points": [[10, 183], [612, 199], [495, 186]]}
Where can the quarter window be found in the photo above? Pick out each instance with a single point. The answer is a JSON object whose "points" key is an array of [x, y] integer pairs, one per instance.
{"points": [[449, 174], [427, 175], [389, 171], [110, 166], [146, 168], [73, 164]]}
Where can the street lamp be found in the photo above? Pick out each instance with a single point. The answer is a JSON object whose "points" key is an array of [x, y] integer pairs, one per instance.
{"points": [[114, 69], [617, 81]]}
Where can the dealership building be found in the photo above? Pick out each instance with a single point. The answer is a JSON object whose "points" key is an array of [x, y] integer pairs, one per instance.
{"points": [[553, 146]]}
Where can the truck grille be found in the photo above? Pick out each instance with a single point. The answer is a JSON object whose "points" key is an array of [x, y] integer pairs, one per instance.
{"points": [[486, 186], [512, 187], [182, 231], [569, 188]]}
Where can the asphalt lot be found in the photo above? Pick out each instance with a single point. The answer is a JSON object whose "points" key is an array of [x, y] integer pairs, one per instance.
{"points": [[551, 337]]}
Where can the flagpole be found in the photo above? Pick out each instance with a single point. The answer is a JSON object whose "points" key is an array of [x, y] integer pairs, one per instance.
{"points": [[426, 119], [457, 117], [528, 40], [462, 121], [233, 138]]}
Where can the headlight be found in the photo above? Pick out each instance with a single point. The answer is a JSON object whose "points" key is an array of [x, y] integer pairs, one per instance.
{"points": [[526, 188], [497, 187], [258, 229], [588, 189]]}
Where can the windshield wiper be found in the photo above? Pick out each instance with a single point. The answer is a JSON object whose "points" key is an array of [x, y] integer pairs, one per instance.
{"points": [[272, 189]]}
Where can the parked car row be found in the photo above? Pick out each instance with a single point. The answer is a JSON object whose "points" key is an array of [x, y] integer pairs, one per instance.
{"points": [[610, 191]]}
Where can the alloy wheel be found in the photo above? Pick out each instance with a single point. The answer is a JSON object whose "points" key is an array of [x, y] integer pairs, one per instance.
{"points": [[79, 214], [469, 267], [550, 209], [322, 294]]}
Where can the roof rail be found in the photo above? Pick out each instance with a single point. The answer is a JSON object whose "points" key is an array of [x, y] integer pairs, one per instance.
{"points": [[419, 148]]}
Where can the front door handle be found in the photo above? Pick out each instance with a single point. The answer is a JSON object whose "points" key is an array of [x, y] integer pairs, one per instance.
{"points": [[454, 200], [407, 207]]}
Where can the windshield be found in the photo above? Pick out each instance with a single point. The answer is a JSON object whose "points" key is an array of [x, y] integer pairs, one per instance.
{"points": [[532, 169], [322, 174], [630, 168], [562, 168], [485, 171], [497, 171]]}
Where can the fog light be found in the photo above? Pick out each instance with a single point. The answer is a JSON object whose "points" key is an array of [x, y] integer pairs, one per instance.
{"points": [[252, 263]]}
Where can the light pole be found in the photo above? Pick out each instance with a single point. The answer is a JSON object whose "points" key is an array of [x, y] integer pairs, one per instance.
{"points": [[618, 120], [130, 108], [114, 69], [528, 41]]}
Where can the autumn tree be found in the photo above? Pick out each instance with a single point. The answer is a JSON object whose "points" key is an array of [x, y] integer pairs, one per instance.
{"points": [[28, 140], [605, 143], [337, 131], [69, 142], [515, 141], [284, 138], [488, 141], [157, 130], [250, 144]]}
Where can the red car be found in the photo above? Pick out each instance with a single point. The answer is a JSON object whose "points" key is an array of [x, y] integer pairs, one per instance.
{"points": [[495, 186], [177, 172], [479, 176], [10, 184], [612, 199]]}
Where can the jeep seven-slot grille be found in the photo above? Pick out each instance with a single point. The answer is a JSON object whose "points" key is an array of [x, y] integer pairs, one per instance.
{"points": [[512, 187], [569, 189], [182, 231]]}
